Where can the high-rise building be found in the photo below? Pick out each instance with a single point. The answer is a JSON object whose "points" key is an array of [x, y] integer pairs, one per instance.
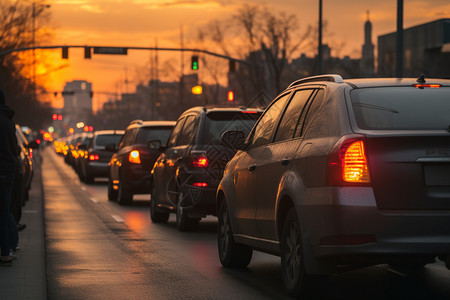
{"points": [[367, 59], [77, 96]]}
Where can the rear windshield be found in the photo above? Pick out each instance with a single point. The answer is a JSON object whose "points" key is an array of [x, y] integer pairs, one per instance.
{"points": [[219, 122], [147, 134], [402, 108], [106, 139]]}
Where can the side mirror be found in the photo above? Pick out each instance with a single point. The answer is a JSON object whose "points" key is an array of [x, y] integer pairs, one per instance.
{"points": [[33, 145], [154, 145], [111, 147], [234, 139]]}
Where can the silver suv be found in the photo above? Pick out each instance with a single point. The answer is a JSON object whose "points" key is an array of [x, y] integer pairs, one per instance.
{"points": [[341, 172]]}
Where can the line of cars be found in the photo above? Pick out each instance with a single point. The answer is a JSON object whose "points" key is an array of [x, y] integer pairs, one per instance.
{"points": [[24, 173], [334, 173]]}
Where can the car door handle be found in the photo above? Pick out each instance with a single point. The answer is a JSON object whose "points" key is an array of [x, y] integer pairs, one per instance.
{"points": [[285, 161], [252, 167]]}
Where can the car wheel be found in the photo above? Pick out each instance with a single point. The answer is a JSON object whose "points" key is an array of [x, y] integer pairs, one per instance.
{"points": [[124, 196], [155, 215], [112, 193], [184, 222], [295, 278], [231, 254]]}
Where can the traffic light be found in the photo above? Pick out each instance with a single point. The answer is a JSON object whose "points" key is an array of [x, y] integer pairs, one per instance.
{"points": [[65, 52], [194, 64], [230, 96], [87, 52]]}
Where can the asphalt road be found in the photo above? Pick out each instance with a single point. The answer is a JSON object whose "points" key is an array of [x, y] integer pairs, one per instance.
{"points": [[98, 249]]}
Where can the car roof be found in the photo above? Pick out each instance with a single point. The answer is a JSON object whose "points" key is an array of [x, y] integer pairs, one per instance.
{"points": [[141, 123], [102, 132], [379, 82], [208, 109]]}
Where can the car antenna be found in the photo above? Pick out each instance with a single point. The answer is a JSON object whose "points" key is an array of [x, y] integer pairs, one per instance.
{"points": [[421, 79]]}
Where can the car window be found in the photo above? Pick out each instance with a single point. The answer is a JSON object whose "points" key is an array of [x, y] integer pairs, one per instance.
{"points": [[127, 138], [188, 132], [217, 122], [174, 135], [146, 134], [402, 108], [105, 139], [311, 112], [291, 116], [262, 132]]}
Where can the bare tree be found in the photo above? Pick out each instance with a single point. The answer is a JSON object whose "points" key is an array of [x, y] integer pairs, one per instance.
{"points": [[22, 25]]}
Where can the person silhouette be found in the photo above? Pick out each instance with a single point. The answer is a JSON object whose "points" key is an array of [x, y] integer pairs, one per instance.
{"points": [[8, 163]]}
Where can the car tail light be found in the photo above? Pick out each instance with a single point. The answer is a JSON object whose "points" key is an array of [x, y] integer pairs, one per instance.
{"points": [[93, 157], [31, 152], [427, 85], [200, 184], [348, 162], [201, 162], [134, 157]]}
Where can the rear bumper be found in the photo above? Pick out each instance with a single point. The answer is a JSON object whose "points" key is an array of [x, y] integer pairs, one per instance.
{"points": [[346, 221], [98, 169]]}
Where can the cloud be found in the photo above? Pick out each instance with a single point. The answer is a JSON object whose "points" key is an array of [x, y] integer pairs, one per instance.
{"points": [[178, 3]]}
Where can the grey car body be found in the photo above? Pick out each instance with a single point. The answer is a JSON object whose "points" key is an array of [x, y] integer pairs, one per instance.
{"points": [[337, 173]]}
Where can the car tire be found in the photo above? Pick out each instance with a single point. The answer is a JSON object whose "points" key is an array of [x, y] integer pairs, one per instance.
{"points": [[295, 278], [112, 193], [231, 254], [155, 215], [123, 195], [184, 222]]}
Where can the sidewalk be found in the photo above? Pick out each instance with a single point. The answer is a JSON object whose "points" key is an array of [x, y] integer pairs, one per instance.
{"points": [[26, 278]]}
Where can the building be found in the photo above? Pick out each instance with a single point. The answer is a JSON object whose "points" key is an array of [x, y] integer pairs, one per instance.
{"points": [[77, 96], [426, 51], [367, 66]]}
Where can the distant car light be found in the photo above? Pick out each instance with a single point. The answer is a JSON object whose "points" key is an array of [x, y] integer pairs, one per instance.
{"points": [[134, 157], [424, 85], [200, 184], [201, 162], [93, 157]]}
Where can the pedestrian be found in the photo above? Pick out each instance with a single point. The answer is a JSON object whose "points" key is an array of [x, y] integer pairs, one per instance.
{"points": [[8, 163]]}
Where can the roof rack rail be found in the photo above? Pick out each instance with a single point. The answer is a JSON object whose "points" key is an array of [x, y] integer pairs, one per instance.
{"points": [[327, 77], [136, 122]]}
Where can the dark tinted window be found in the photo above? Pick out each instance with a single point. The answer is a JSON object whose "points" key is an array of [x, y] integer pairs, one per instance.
{"points": [[127, 138], [311, 114], [188, 132], [105, 139], [146, 134], [174, 135], [262, 133], [216, 123], [291, 116], [402, 108]]}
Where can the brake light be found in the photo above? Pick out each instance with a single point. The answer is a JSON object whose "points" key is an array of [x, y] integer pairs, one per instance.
{"points": [[348, 163], [93, 156], [249, 112], [200, 184], [355, 167], [428, 85], [201, 162], [134, 157]]}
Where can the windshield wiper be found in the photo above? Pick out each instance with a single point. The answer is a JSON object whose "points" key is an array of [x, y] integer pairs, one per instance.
{"points": [[377, 107]]}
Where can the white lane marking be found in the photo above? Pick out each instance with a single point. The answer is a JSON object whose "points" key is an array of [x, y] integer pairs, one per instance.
{"points": [[118, 218], [94, 200]]}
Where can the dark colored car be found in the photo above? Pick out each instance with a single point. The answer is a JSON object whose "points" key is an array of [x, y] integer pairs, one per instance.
{"points": [[23, 176], [186, 175], [82, 150], [95, 161], [129, 168], [342, 173]]}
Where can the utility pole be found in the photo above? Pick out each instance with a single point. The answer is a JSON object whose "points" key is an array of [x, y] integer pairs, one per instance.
{"points": [[399, 49], [319, 49]]}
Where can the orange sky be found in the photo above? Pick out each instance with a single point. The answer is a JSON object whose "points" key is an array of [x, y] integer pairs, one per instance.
{"points": [[141, 22]]}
